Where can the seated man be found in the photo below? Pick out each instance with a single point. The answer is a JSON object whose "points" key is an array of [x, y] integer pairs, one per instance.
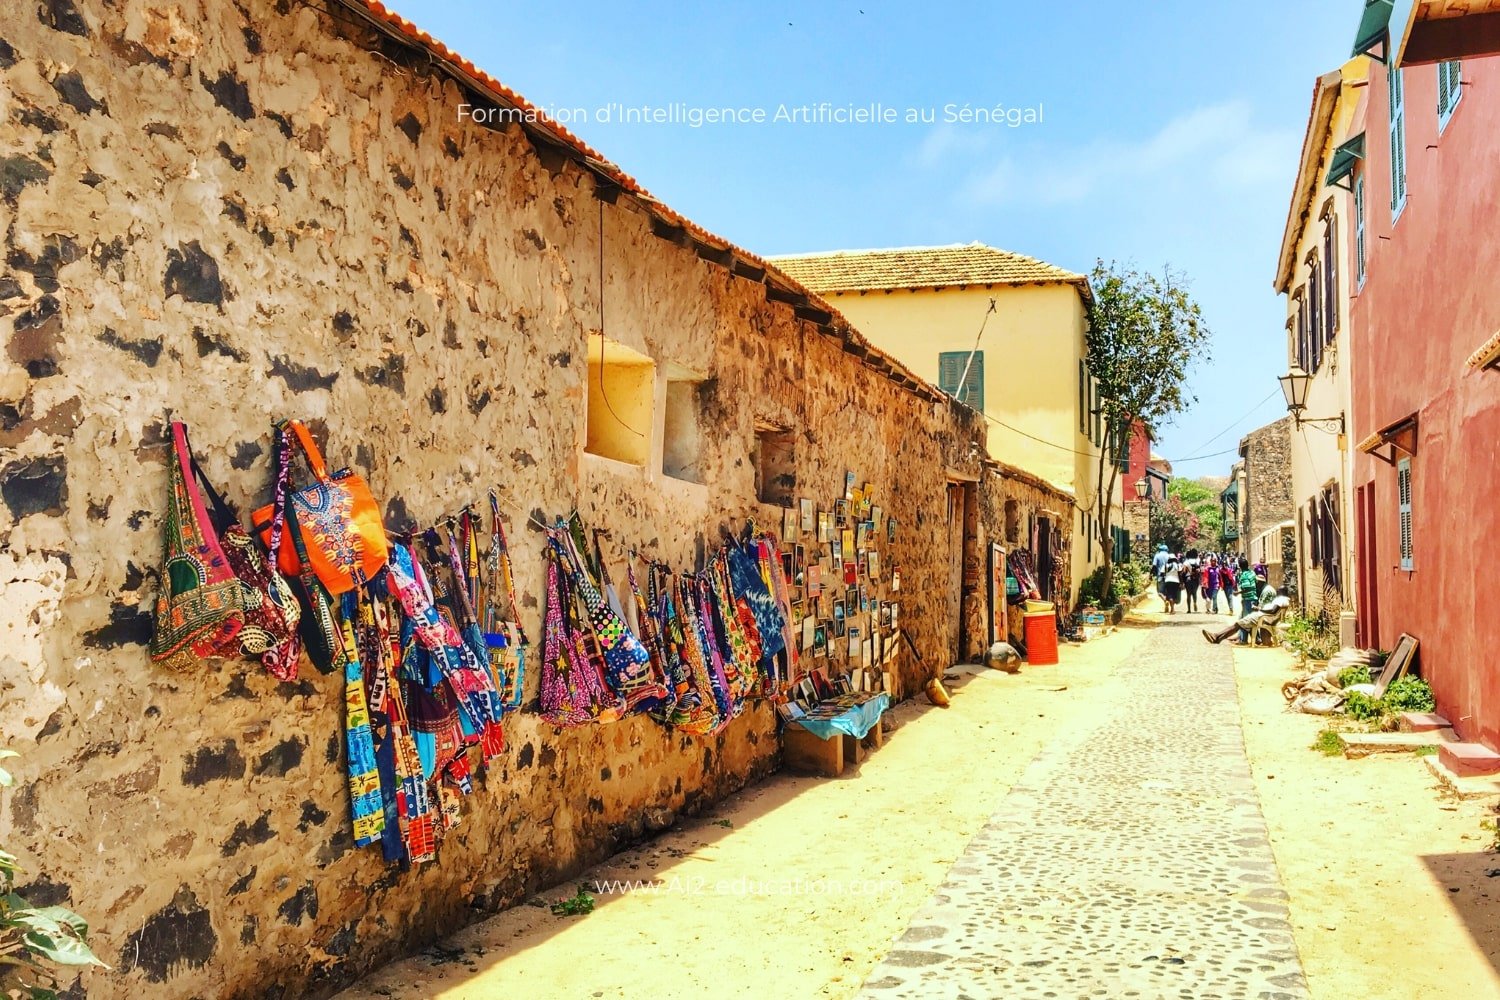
{"points": [[1272, 601]]}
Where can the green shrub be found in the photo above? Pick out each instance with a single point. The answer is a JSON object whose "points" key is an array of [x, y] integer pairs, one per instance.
{"points": [[1350, 676], [1363, 707], [1091, 591], [1409, 694]]}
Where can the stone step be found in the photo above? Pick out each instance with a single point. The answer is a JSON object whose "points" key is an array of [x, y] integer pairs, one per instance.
{"points": [[1469, 759], [1364, 744], [1484, 786], [1422, 722]]}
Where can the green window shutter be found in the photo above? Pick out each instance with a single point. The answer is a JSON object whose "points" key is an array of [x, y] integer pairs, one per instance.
{"points": [[1397, 92], [951, 366], [1403, 502], [1359, 230], [1083, 397], [1450, 89]]}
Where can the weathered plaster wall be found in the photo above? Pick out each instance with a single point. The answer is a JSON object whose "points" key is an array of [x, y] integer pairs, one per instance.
{"points": [[233, 213]]}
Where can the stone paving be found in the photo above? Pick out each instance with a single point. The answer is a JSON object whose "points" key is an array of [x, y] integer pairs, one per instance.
{"points": [[1129, 861]]}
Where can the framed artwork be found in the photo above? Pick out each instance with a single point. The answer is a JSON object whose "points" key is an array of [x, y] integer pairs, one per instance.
{"points": [[820, 639], [799, 558], [851, 604], [814, 575], [838, 621], [875, 515], [851, 574], [873, 559], [825, 526], [890, 529], [807, 515], [861, 534], [848, 485], [809, 632], [841, 512], [846, 545], [789, 564], [788, 523], [895, 581], [854, 643]]}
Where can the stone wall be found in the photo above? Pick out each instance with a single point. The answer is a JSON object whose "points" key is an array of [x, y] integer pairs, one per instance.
{"points": [[1266, 500], [235, 212]]}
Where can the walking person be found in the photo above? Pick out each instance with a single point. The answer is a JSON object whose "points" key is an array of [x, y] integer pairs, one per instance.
{"points": [[1192, 572], [1246, 585], [1211, 584], [1171, 577], [1228, 583]]}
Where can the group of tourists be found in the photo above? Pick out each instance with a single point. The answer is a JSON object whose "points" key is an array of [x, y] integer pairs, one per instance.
{"points": [[1182, 578]]}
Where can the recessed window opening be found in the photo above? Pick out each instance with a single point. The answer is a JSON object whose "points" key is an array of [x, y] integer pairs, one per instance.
{"points": [[682, 429], [775, 459]]}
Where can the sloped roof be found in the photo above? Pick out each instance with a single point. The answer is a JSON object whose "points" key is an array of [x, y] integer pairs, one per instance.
{"points": [[958, 264]]}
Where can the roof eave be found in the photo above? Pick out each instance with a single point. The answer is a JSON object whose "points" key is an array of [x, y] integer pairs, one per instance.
{"points": [[1304, 190]]}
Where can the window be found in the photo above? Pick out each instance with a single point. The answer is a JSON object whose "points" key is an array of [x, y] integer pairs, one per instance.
{"points": [[1397, 92], [775, 461], [951, 365], [1330, 277], [1359, 230], [1122, 446], [1450, 89], [1121, 544], [1314, 313], [1083, 397], [1098, 410], [1403, 501], [682, 434], [621, 385]]}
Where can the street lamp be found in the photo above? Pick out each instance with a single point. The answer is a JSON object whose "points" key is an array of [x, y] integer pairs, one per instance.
{"points": [[1142, 488], [1294, 386]]}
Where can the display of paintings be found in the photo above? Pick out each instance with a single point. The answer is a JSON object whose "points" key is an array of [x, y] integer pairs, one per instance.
{"points": [[864, 598], [862, 509], [841, 512], [851, 574], [814, 575], [872, 559], [895, 581], [799, 559], [820, 640], [807, 515], [848, 485], [887, 614], [809, 632], [867, 653], [846, 546], [875, 515], [854, 643], [789, 564], [861, 534], [825, 526], [890, 529], [838, 620]]}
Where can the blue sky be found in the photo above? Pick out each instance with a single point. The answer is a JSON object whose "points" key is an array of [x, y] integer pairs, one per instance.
{"points": [[1170, 133]]}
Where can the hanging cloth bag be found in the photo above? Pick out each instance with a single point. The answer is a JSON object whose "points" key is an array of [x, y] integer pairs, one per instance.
{"points": [[271, 609], [200, 610], [338, 520]]}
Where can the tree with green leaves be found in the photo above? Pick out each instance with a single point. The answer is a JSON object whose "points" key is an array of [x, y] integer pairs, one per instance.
{"points": [[1203, 503], [1146, 334]]}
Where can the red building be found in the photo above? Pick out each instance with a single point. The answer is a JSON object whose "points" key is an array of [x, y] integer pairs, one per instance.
{"points": [[1425, 426]]}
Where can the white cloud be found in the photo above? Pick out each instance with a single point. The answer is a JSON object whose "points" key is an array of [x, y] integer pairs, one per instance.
{"points": [[1218, 145]]}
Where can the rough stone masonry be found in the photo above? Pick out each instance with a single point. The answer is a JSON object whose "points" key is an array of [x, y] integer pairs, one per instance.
{"points": [[232, 212]]}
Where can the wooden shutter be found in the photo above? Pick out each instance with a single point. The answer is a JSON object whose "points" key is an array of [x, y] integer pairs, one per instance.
{"points": [[1403, 499], [1397, 93], [951, 366], [1450, 88], [1330, 277], [1083, 394], [1314, 314], [1359, 229]]}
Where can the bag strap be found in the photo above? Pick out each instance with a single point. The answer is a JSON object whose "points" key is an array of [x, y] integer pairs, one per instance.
{"points": [[223, 516], [309, 447], [185, 469], [283, 459]]}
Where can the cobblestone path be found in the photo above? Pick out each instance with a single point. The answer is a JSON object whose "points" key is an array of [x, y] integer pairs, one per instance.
{"points": [[1128, 861]]}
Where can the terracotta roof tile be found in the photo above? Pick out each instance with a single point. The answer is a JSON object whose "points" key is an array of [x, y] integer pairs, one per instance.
{"points": [[922, 267]]}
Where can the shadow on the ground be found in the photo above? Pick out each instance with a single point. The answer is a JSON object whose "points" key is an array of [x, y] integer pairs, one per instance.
{"points": [[1467, 877]]}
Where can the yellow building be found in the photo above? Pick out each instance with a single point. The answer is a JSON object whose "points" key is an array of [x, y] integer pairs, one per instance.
{"points": [[1022, 320], [1318, 267]]}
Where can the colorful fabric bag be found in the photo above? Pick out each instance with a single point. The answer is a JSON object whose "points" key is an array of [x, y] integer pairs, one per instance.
{"points": [[338, 519], [201, 608]]}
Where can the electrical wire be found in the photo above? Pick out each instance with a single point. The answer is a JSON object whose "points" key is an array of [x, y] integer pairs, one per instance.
{"points": [[1235, 424]]}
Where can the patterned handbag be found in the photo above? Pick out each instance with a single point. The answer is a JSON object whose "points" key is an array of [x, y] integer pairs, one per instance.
{"points": [[271, 609], [200, 610], [338, 519]]}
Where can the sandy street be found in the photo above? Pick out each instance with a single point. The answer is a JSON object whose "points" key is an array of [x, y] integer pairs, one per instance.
{"points": [[1390, 878], [869, 884], [898, 820]]}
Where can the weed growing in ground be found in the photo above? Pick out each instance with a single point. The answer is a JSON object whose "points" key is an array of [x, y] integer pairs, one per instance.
{"points": [[1329, 743], [1350, 676], [1409, 694], [1493, 826], [1363, 707], [1426, 751], [575, 907], [726, 824]]}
